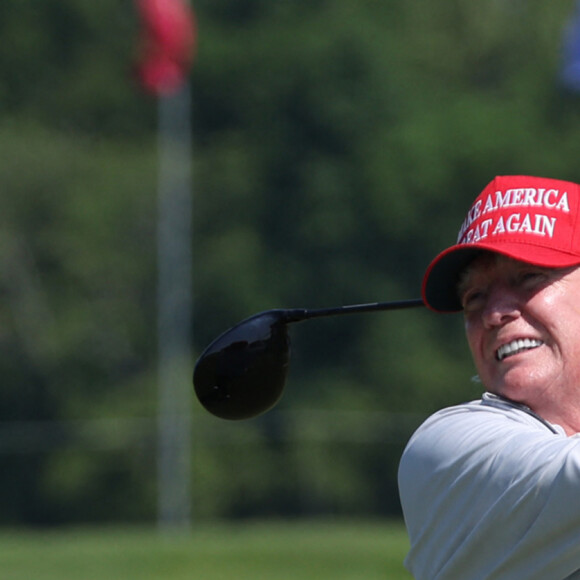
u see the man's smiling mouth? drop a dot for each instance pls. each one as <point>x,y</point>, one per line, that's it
<point>516,346</point>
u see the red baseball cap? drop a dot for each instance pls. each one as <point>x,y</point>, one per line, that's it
<point>531,219</point>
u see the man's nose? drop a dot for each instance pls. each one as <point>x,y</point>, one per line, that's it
<point>502,305</point>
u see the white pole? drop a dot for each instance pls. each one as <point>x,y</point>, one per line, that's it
<point>175,305</point>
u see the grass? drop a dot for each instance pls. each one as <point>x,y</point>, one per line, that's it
<point>250,551</point>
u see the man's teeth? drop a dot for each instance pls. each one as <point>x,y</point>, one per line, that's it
<point>516,346</point>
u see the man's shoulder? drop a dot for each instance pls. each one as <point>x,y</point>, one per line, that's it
<point>476,430</point>
<point>491,411</point>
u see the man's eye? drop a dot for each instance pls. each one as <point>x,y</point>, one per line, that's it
<point>472,300</point>
<point>532,278</point>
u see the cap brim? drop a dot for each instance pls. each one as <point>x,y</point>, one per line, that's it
<point>442,276</point>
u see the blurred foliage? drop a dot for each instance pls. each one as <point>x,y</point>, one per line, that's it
<point>337,146</point>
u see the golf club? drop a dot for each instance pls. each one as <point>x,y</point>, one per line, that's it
<point>242,373</point>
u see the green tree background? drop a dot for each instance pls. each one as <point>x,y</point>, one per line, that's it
<point>337,146</point>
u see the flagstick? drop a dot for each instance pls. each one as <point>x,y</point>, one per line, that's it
<point>174,310</point>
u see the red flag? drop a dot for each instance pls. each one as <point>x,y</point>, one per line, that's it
<point>167,44</point>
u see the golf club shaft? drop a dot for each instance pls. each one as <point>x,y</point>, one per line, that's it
<point>298,314</point>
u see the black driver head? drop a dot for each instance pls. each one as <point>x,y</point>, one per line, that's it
<point>242,373</point>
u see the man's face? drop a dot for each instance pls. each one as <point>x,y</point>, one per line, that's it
<point>523,328</point>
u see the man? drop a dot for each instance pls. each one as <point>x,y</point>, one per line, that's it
<point>490,489</point>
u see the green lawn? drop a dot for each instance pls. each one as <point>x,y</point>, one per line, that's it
<point>250,551</point>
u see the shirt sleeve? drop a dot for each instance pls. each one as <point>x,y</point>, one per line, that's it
<point>491,493</point>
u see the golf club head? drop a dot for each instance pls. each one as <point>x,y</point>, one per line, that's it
<point>242,373</point>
